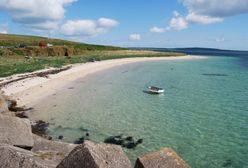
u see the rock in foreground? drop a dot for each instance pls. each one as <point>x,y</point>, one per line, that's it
<point>92,155</point>
<point>51,151</point>
<point>164,158</point>
<point>13,157</point>
<point>16,131</point>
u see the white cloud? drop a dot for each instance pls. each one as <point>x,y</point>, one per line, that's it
<point>158,29</point>
<point>217,8</point>
<point>204,12</point>
<point>106,22</point>
<point>176,13</point>
<point>202,19</point>
<point>178,23</point>
<point>3,32</point>
<point>87,27</point>
<point>135,37</point>
<point>41,14</point>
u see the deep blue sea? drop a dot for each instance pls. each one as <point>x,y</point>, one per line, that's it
<point>203,114</point>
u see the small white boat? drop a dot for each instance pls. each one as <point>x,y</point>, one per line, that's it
<point>156,90</point>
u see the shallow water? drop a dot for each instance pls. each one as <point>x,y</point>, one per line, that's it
<point>203,114</point>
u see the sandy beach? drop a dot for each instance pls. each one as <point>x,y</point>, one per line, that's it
<point>31,90</point>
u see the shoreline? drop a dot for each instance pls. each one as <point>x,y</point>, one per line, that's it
<point>31,90</point>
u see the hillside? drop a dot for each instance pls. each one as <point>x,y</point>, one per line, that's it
<point>13,40</point>
<point>31,58</point>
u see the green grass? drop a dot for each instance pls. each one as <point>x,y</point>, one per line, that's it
<point>13,40</point>
<point>12,60</point>
<point>18,64</point>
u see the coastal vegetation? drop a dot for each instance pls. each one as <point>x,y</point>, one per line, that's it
<point>31,58</point>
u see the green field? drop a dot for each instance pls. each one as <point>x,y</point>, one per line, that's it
<point>13,40</point>
<point>17,63</point>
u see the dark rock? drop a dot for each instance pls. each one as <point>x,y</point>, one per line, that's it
<point>79,141</point>
<point>15,109</point>
<point>13,157</point>
<point>21,114</point>
<point>164,158</point>
<point>16,131</point>
<point>92,155</point>
<point>61,137</point>
<point>127,142</point>
<point>140,141</point>
<point>129,138</point>
<point>40,127</point>
<point>11,103</point>
<point>129,145</point>
<point>117,140</point>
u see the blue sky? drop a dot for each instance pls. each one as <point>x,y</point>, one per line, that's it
<point>136,23</point>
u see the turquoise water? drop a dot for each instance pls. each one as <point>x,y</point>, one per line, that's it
<point>204,118</point>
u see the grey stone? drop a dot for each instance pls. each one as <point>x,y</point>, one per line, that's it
<point>3,104</point>
<point>13,157</point>
<point>92,155</point>
<point>164,158</point>
<point>51,151</point>
<point>16,131</point>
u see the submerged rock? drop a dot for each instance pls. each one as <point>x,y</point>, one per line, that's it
<point>39,127</point>
<point>80,140</point>
<point>117,140</point>
<point>93,155</point>
<point>16,131</point>
<point>127,142</point>
<point>61,137</point>
<point>164,158</point>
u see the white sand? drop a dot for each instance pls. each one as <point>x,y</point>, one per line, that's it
<point>31,90</point>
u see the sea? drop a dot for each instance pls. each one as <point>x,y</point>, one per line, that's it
<point>203,114</point>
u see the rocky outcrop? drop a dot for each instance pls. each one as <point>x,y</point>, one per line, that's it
<point>92,155</point>
<point>3,104</point>
<point>13,157</point>
<point>51,151</point>
<point>164,158</point>
<point>16,131</point>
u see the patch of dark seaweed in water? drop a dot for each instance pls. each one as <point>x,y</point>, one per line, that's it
<point>206,74</point>
<point>126,142</point>
<point>227,163</point>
